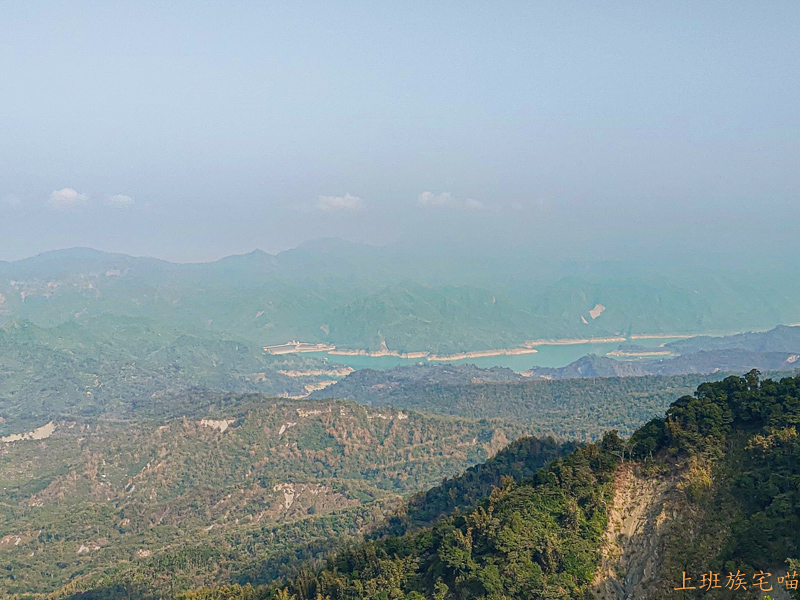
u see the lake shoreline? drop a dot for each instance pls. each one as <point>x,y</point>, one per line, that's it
<point>548,353</point>
<point>529,347</point>
<point>426,355</point>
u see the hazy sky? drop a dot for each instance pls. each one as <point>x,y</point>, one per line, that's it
<point>193,130</point>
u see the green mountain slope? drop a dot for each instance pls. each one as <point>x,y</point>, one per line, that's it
<point>518,461</point>
<point>718,485</point>
<point>241,487</point>
<point>711,488</point>
<point>537,538</point>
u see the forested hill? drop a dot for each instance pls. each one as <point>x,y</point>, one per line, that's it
<point>711,487</point>
<point>520,460</point>
<point>581,409</point>
<point>242,487</point>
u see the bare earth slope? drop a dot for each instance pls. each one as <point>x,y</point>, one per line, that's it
<point>639,523</point>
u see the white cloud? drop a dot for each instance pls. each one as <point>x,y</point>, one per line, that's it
<point>11,200</point>
<point>446,200</point>
<point>431,199</point>
<point>470,204</point>
<point>67,198</point>
<point>120,201</point>
<point>346,202</point>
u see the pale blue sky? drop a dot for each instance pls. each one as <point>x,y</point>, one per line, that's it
<point>191,130</point>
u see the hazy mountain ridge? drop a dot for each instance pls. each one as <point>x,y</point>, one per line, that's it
<point>703,362</point>
<point>775,350</point>
<point>111,365</point>
<point>312,293</point>
<point>783,338</point>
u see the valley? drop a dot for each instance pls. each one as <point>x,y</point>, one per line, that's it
<point>155,446</point>
<point>399,301</point>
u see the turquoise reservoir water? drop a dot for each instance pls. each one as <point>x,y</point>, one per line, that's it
<point>547,356</point>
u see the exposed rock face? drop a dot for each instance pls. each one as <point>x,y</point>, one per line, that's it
<point>652,520</point>
<point>220,425</point>
<point>639,525</point>
<point>596,311</point>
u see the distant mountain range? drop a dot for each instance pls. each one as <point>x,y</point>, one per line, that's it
<point>368,298</point>
<point>705,361</point>
<point>774,350</point>
<point>780,339</point>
